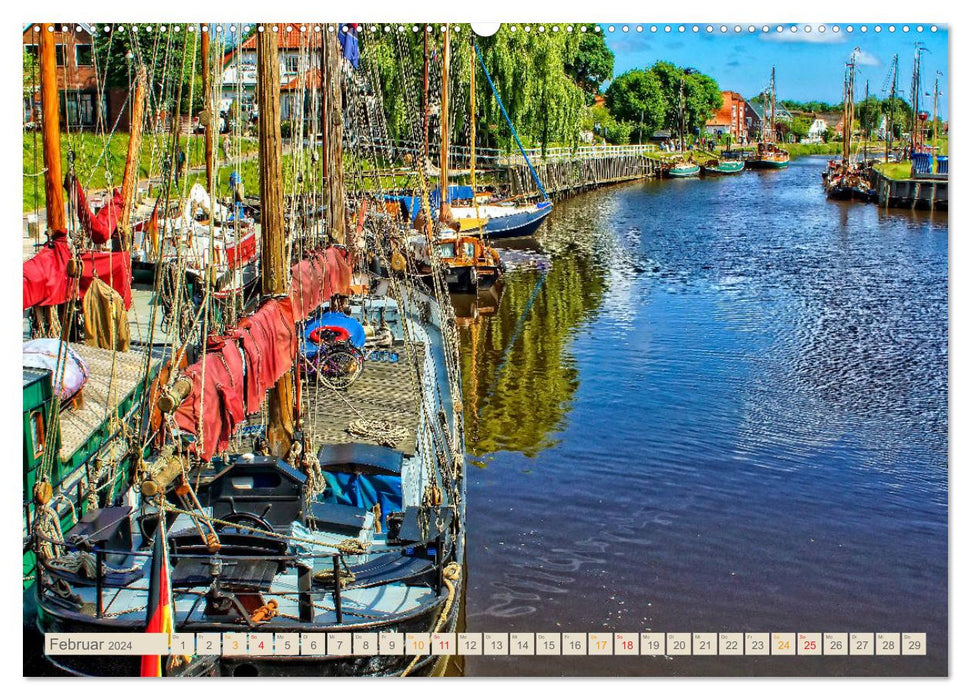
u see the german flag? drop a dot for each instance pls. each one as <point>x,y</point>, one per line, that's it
<point>159,616</point>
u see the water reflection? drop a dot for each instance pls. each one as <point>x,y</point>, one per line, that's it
<point>717,405</point>
<point>518,377</point>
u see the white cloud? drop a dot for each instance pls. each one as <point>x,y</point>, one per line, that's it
<point>864,58</point>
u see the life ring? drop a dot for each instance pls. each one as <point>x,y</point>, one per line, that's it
<point>340,334</point>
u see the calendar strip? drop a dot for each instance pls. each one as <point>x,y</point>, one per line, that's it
<point>670,644</point>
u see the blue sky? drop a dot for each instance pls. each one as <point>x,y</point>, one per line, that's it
<point>809,65</point>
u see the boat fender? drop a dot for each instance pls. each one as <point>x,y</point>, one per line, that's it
<point>43,492</point>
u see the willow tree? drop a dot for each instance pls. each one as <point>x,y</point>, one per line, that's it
<point>532,72</point>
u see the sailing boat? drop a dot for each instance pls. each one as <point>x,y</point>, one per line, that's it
<point>205,236</point>
<point>683,166</point>
<point>768,155</point>
<point>470,264</point>
<point>497,218</point>
<point>846,179</point>
<point>342,516</point>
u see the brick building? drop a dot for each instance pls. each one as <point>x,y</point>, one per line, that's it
<point>730,119</point>
<point>76,82</point>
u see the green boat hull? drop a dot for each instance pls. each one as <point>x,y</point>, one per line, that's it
<point>726,168</point>
<point>688,171</point>
<point>768,164</point>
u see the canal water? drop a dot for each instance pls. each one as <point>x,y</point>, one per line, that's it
<point>712,405</point>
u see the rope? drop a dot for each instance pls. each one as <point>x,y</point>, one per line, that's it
<point>381,431</point>
<point>348,546</point>
<point>450,574</point>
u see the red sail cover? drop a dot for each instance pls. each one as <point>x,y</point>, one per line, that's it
<point>46,280</point>
<point>317,278</point>
<point>217,397</point>
<point>265,343</point>
<point>100,226</point>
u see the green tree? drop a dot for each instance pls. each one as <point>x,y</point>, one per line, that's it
<point>869,112</point>
<point>592,64</point>
<point>529,71</point>
<point>800,127</point>
<point>31,80</point>
<point>636,97</point>
<point>899,115</point>
<point>684,88</point>
<point>170,57</point>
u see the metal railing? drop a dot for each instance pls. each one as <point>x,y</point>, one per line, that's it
<point>306,590</point>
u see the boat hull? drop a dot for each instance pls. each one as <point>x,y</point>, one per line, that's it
<point>768,164</point>
<point>725,169</point>
<point>468,280</point>
<point>684,172</point>
<point>280,666</point>
<point>517,225</point>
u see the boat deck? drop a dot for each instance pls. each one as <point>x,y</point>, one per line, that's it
<point>385,391</point>
<point>113,376</point>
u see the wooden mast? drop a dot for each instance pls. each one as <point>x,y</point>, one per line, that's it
<point>765,116</point>
<point>443,178</point>
<point>915,100</point>
<point>443,119</point>
<point>424,139</point>
<point>475,201</point>
<point>53,180</point>
<point>273,258</point>
<point>847,112</point>
<point>893,94</point>
<point>207,108</point>
<point>324,119</point>
<point>772,122</point>
<point>334,140</point>
<point>130,181</point>
<point>866,131</point>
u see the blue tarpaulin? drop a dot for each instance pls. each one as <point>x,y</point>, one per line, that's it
<point>413,204</point>
<point>364,491</point>
<point>331,318</point>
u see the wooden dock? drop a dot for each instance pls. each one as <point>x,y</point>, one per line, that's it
<point>563,170</point>
<point>928,192</point>
<point>567,176</point>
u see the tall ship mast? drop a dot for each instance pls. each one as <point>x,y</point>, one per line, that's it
<point>768,156</point>
<point>845,179</point>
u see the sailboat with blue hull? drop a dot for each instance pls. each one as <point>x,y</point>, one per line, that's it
<point>501,219</point>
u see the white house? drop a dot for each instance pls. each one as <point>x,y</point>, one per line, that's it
<point>816,131</point>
